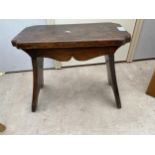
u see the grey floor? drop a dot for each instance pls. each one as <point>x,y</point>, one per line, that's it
<point>79,101</point>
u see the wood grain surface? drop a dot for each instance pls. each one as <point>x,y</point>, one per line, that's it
<point>71,36</point>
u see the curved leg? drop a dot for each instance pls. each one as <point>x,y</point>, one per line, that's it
<point>37,64</point>
<point>112,78</point>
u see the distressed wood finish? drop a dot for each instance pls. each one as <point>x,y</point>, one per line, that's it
<point>71,36</point>
<point>62,42</point>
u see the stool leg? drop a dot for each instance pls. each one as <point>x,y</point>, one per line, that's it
<point>41,71</point>
<point>37,64</point>
<point>112,78</point>
<point>108,69</point>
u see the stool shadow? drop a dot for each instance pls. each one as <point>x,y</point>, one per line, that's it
<point>92,89</point>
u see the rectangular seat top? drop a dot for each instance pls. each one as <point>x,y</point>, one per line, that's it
<point>71,36</point>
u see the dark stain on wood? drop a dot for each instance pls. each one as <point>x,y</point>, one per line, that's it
<point>62,42</point>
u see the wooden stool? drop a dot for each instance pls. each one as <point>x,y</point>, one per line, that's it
<point>62,42</point>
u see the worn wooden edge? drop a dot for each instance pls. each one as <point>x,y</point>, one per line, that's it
<point>79,44</point>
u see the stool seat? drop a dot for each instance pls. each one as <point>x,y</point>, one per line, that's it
<point>71,36</point>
